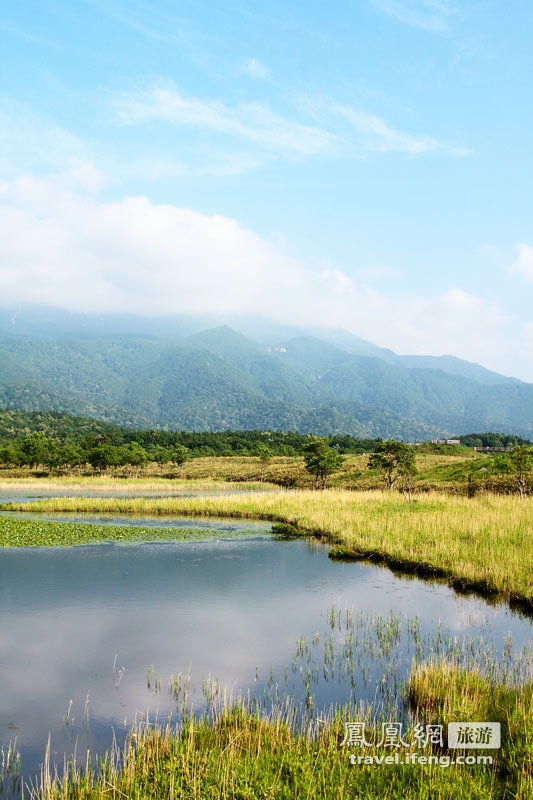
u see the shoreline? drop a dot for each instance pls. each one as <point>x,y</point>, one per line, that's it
<point>475,545</point>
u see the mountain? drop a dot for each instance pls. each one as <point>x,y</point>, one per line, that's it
<point>43,323</point>
<point>220,379</point>
<point>449,364</point>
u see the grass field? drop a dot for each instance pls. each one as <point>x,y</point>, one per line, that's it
<point>482,543</point>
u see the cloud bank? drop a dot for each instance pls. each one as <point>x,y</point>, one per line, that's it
<point>64,247</point>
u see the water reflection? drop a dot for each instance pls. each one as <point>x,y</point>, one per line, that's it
<point>88,621</point>
<point>28,494</point>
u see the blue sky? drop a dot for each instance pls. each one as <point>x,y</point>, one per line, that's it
<point>365,164</point>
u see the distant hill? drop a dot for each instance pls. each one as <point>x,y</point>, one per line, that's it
<point>220,379</point>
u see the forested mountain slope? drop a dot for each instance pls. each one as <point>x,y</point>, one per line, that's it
<point>220,379</point>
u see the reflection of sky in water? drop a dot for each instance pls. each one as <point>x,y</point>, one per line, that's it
<point>212,607</point>
<point>27,495</point>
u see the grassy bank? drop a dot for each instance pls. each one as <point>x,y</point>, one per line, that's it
<point>240,755</point>
<point>483,544</point>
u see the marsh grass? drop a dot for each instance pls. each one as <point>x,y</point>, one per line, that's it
<point>238,752</point>
<point>445,692</point>
<point>10,779</point>
<point>482,544</point>
<point>371,655</point>
<point>271,746</point>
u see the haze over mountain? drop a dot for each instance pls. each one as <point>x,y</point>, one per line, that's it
<point>167,372</point>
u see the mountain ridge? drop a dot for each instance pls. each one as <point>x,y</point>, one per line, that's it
<point>219,379</point>
<point>40,322</point>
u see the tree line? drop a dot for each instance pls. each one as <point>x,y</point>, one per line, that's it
<point>54,439</point>
<point>65,442</point>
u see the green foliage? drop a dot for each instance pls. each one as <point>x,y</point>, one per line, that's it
<point>520,464</point>
<point>64,443</point>
<point>394,460</point>
<point>58,440</point>
<point>34,449</point>
<point>264,453</point>
<point>321,460</point>
<point>179,454</point>
<point>492,440</point>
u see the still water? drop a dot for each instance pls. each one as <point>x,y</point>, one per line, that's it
<point>28,495</point>
<point>80,628</point>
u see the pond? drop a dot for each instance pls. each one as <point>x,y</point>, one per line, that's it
<point>27,495</point>
<point>93,636</point>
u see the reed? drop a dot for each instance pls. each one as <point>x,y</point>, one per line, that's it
<point>236,752</point>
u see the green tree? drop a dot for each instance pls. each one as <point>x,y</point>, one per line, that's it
<point>34,449</point>
<point>179,455</point>
<point>53,456</point>
<point>161,455</point>
<point>104,456</point>
<point>394,460</point>
<point>520,464</point>
<point>136,456</point>
<point>9,456</point>
<point>321,460</point>
<point>71,455</point>
<point>264,453</point>
<point>408,471</point>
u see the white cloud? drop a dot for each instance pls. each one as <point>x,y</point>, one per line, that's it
<point>63,247</point>
<point>30,141</point>
<point>524,263</point>
<point>380,137</point>
<point>252,122</point>
<point>374,272</point>
<point>255,69</point>
<point>324,127</point>
<point>233,140</point>
<point>430,15</point>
